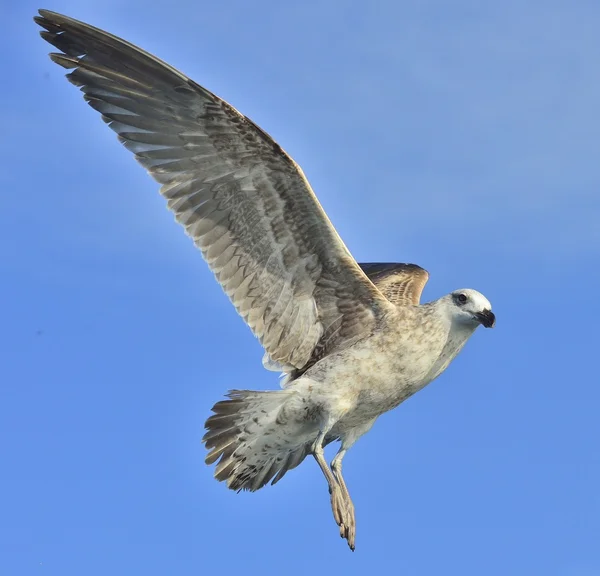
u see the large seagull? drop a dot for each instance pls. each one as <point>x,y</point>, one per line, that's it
<point>352,340</point>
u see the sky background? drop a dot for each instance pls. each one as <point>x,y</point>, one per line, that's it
<point>461,136</point>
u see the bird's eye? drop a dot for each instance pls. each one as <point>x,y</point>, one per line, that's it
<point>462,298</point>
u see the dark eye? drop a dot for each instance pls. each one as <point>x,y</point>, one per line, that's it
<point>462,298</point>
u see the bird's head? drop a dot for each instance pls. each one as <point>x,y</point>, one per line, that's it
<point>471,308</point>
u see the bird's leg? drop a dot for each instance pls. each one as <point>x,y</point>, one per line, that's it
<point>338,499</point>
<point>350,524</point>
<point>348,440</point>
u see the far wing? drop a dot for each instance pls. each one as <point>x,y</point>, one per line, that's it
<point>401,284</point>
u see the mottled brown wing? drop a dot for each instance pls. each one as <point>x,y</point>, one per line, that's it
<point>401,284</point>
<point>241,198</point>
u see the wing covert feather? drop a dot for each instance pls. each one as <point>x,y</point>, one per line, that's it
<point>401,284</point>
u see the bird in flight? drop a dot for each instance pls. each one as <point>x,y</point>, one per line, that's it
<point>351,340</point>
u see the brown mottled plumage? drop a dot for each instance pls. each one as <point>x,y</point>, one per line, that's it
<point>401,284</point>
<point>352,340</point>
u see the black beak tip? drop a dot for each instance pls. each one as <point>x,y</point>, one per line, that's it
<point>487,318</point>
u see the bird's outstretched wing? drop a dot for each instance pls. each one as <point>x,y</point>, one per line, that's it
<point>401,284</point>
<point>241,198</point>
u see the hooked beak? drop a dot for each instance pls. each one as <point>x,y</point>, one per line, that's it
<point>486,318</point>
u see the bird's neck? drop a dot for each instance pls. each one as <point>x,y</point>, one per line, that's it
<point>457,333</point>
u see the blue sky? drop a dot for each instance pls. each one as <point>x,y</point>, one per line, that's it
<point>464,138</point>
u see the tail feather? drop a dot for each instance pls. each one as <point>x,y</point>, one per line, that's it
<point>293,459</point>
<point>253,439</point>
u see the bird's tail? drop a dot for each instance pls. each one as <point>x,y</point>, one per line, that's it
<point>254,437</point>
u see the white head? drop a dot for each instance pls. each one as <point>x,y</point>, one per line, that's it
<point>470,308</point>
